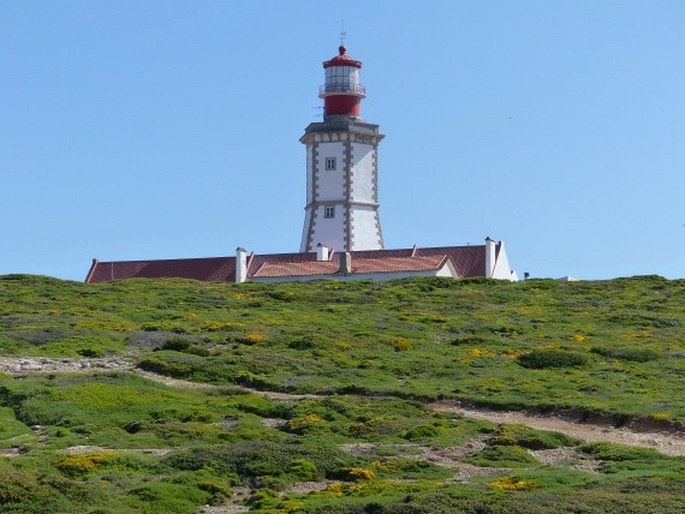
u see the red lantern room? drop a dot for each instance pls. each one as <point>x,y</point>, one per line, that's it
<point>342,93</point>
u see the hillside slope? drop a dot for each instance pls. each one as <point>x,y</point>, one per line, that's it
<point>369,355</point>
<point>602,347</point>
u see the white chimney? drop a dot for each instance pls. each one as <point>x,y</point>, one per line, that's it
<point>489,257</point>
<point>240,265</point>
<point>345,263</point>
<point>321,252</point>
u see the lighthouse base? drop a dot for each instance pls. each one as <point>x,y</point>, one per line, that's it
<point>342,185</point>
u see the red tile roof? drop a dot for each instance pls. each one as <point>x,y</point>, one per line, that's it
<point>360,265</point>
<point>220,269</point>
<point>468,261</point>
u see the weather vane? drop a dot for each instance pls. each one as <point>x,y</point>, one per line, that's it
<point>342,32</point>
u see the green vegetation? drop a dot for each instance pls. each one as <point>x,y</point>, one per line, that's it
<point>372,353</point>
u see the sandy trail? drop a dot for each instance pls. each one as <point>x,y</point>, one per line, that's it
<point>665,442</point>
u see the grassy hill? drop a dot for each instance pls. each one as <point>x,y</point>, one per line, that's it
<point>372,354</point>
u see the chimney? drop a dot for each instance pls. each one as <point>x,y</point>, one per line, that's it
<point>345,263</point>
<point>240,265</point>
<point>489,257</point>
<point>321,252</point>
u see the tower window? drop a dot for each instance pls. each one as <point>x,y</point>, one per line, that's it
<point>330,164</point>
<point>329,211</point>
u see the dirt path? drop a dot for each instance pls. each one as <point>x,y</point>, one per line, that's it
<point>174,382</point>
<point>665,442</point>
<point>18,366</point>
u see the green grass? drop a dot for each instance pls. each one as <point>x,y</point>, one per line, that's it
<point>375,352</point>
<point>215,440</point>
<point>613,347</point>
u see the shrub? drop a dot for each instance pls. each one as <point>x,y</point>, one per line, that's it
<point>90,353</point>
<point>263,498</point>
<point>303,469</point>
<point>301,343</point>
<point>540,359</point>
<point>503,456</point>
<point>220,492</point>
<point>612,452</point>
<point>468,340</point>
<point>403,345</point>
<point>376,427</point>
<point>421,432</point>
<point>163,326</point>
<point>283,296</point>
<point>133,427</point>
<point>302,424</point>
<point>251,338</point>
<point>510,435</point>
<point>512,484</point>
<point>163,498</point>
<point>627,354</point>
<point>335,488</point>
<point>258,459</point>
<point>176,344</point>
<point>161,367</point>
<point>357,473</point>
<point>81,463</point>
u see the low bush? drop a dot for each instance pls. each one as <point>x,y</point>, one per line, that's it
<point>178,344</point>
<point>627,354</point>
<point>503,457</point>
<point>250,459</point>
<point>305,470</point>
<point>421,432</point>
<point>526,437</point>
<point>82,463</point>
<point>90,353</point>
<point>166,498</point>
<point>540,359</point>
<point>356,473</point>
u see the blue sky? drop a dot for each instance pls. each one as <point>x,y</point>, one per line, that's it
<point>163,129</point>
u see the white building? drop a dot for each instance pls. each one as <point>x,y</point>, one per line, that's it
<point>342,166</point>
<point>342,237</point>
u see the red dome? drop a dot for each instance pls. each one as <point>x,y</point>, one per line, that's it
<point>342,60</point>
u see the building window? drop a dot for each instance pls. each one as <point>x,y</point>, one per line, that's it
<point>330,163</point>
<point>329,212</point>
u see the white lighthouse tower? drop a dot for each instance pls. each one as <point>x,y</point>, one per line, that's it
<point>342,166</point>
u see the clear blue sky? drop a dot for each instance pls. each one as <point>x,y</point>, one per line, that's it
<point>137,129</point>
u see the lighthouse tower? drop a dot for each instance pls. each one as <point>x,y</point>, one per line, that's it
<point>342,166</point>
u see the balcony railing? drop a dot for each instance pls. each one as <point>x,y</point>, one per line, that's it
<point>356,89</point>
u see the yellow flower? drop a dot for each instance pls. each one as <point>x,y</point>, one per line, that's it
<point>477,352</point>
<point>359,473</point>
<point>336,489</point>
<point>512,484</point>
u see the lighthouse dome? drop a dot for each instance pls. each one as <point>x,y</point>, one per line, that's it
<point>342,59</point>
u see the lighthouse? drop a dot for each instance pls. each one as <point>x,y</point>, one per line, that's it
<point>341,210</point>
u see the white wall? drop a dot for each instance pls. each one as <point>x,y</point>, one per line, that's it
<point>364,227</point>
<point>329,231</point>
<point>362,172</point>
<point>310,171</point>
<point>305,230</point>
<point>502,269</point>
<point>331,183</point>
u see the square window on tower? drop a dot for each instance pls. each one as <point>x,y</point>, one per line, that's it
<point>329,212</point>
<point>330,164</point>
